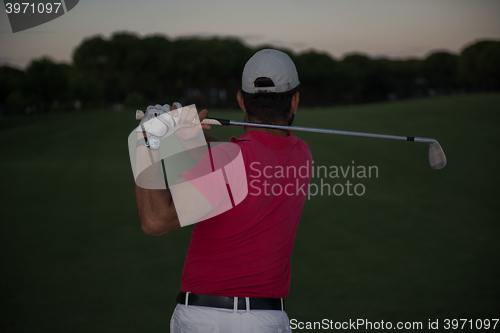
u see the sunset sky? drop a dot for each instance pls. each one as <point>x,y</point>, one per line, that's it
<point>393,28</point>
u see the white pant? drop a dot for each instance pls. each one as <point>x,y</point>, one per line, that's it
<point>205,319</point>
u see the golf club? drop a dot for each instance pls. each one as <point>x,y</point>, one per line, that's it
<point>437,159</point>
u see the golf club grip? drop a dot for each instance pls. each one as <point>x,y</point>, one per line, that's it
<point>216,121</point>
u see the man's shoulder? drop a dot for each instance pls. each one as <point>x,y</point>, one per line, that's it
<point>302,143</point>
<point>304,147</point>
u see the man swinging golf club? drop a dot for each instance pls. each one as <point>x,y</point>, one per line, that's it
<point>237,269</point>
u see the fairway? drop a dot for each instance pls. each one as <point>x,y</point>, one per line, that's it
<point>419,244</point>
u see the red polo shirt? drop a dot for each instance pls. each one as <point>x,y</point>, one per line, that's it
<point>245,251</point>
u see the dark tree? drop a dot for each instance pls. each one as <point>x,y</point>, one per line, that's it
<point>46,83</point>
<point>12,99</point>
<point>479,66</point>
<point>373,78</point>
<point>441,69</point>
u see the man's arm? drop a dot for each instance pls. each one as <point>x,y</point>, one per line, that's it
<point>210,138</point>
<point>156,209</point>
<point>154,203</point>
<point>158,214</point>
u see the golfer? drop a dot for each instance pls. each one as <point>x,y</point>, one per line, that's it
<point>237,270</point>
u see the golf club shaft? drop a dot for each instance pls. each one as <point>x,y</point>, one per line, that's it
<point>225,122</point>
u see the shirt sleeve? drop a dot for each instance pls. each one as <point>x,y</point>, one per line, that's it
<point>220,177</point>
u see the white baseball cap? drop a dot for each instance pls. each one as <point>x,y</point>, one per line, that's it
<point>272,64</point>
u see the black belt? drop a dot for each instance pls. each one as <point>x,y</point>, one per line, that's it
<point>228,302</point>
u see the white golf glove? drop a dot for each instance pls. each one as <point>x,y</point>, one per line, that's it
<point>159,120</point>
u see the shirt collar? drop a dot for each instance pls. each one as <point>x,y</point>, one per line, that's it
<point>268,140</point>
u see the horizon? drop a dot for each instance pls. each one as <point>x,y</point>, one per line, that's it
<point>338,58</point>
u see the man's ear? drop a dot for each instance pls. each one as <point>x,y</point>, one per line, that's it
<point>239,97</point>
<point>295,103</point>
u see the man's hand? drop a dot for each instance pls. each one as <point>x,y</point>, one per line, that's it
<point>159,120</point>
<point>189,123</point>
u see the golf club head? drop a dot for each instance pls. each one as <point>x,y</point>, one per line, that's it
<point>437,159</point>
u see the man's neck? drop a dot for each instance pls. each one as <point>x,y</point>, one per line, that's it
<point>272,131</point>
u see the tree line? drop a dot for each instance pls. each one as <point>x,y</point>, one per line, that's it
<point>134,71</point>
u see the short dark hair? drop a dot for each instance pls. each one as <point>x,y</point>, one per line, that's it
<point>268,107</point>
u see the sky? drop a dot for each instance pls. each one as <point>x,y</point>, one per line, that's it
<point>391,28</point>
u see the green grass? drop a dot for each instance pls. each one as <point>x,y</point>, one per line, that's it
<point>420,244</point>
